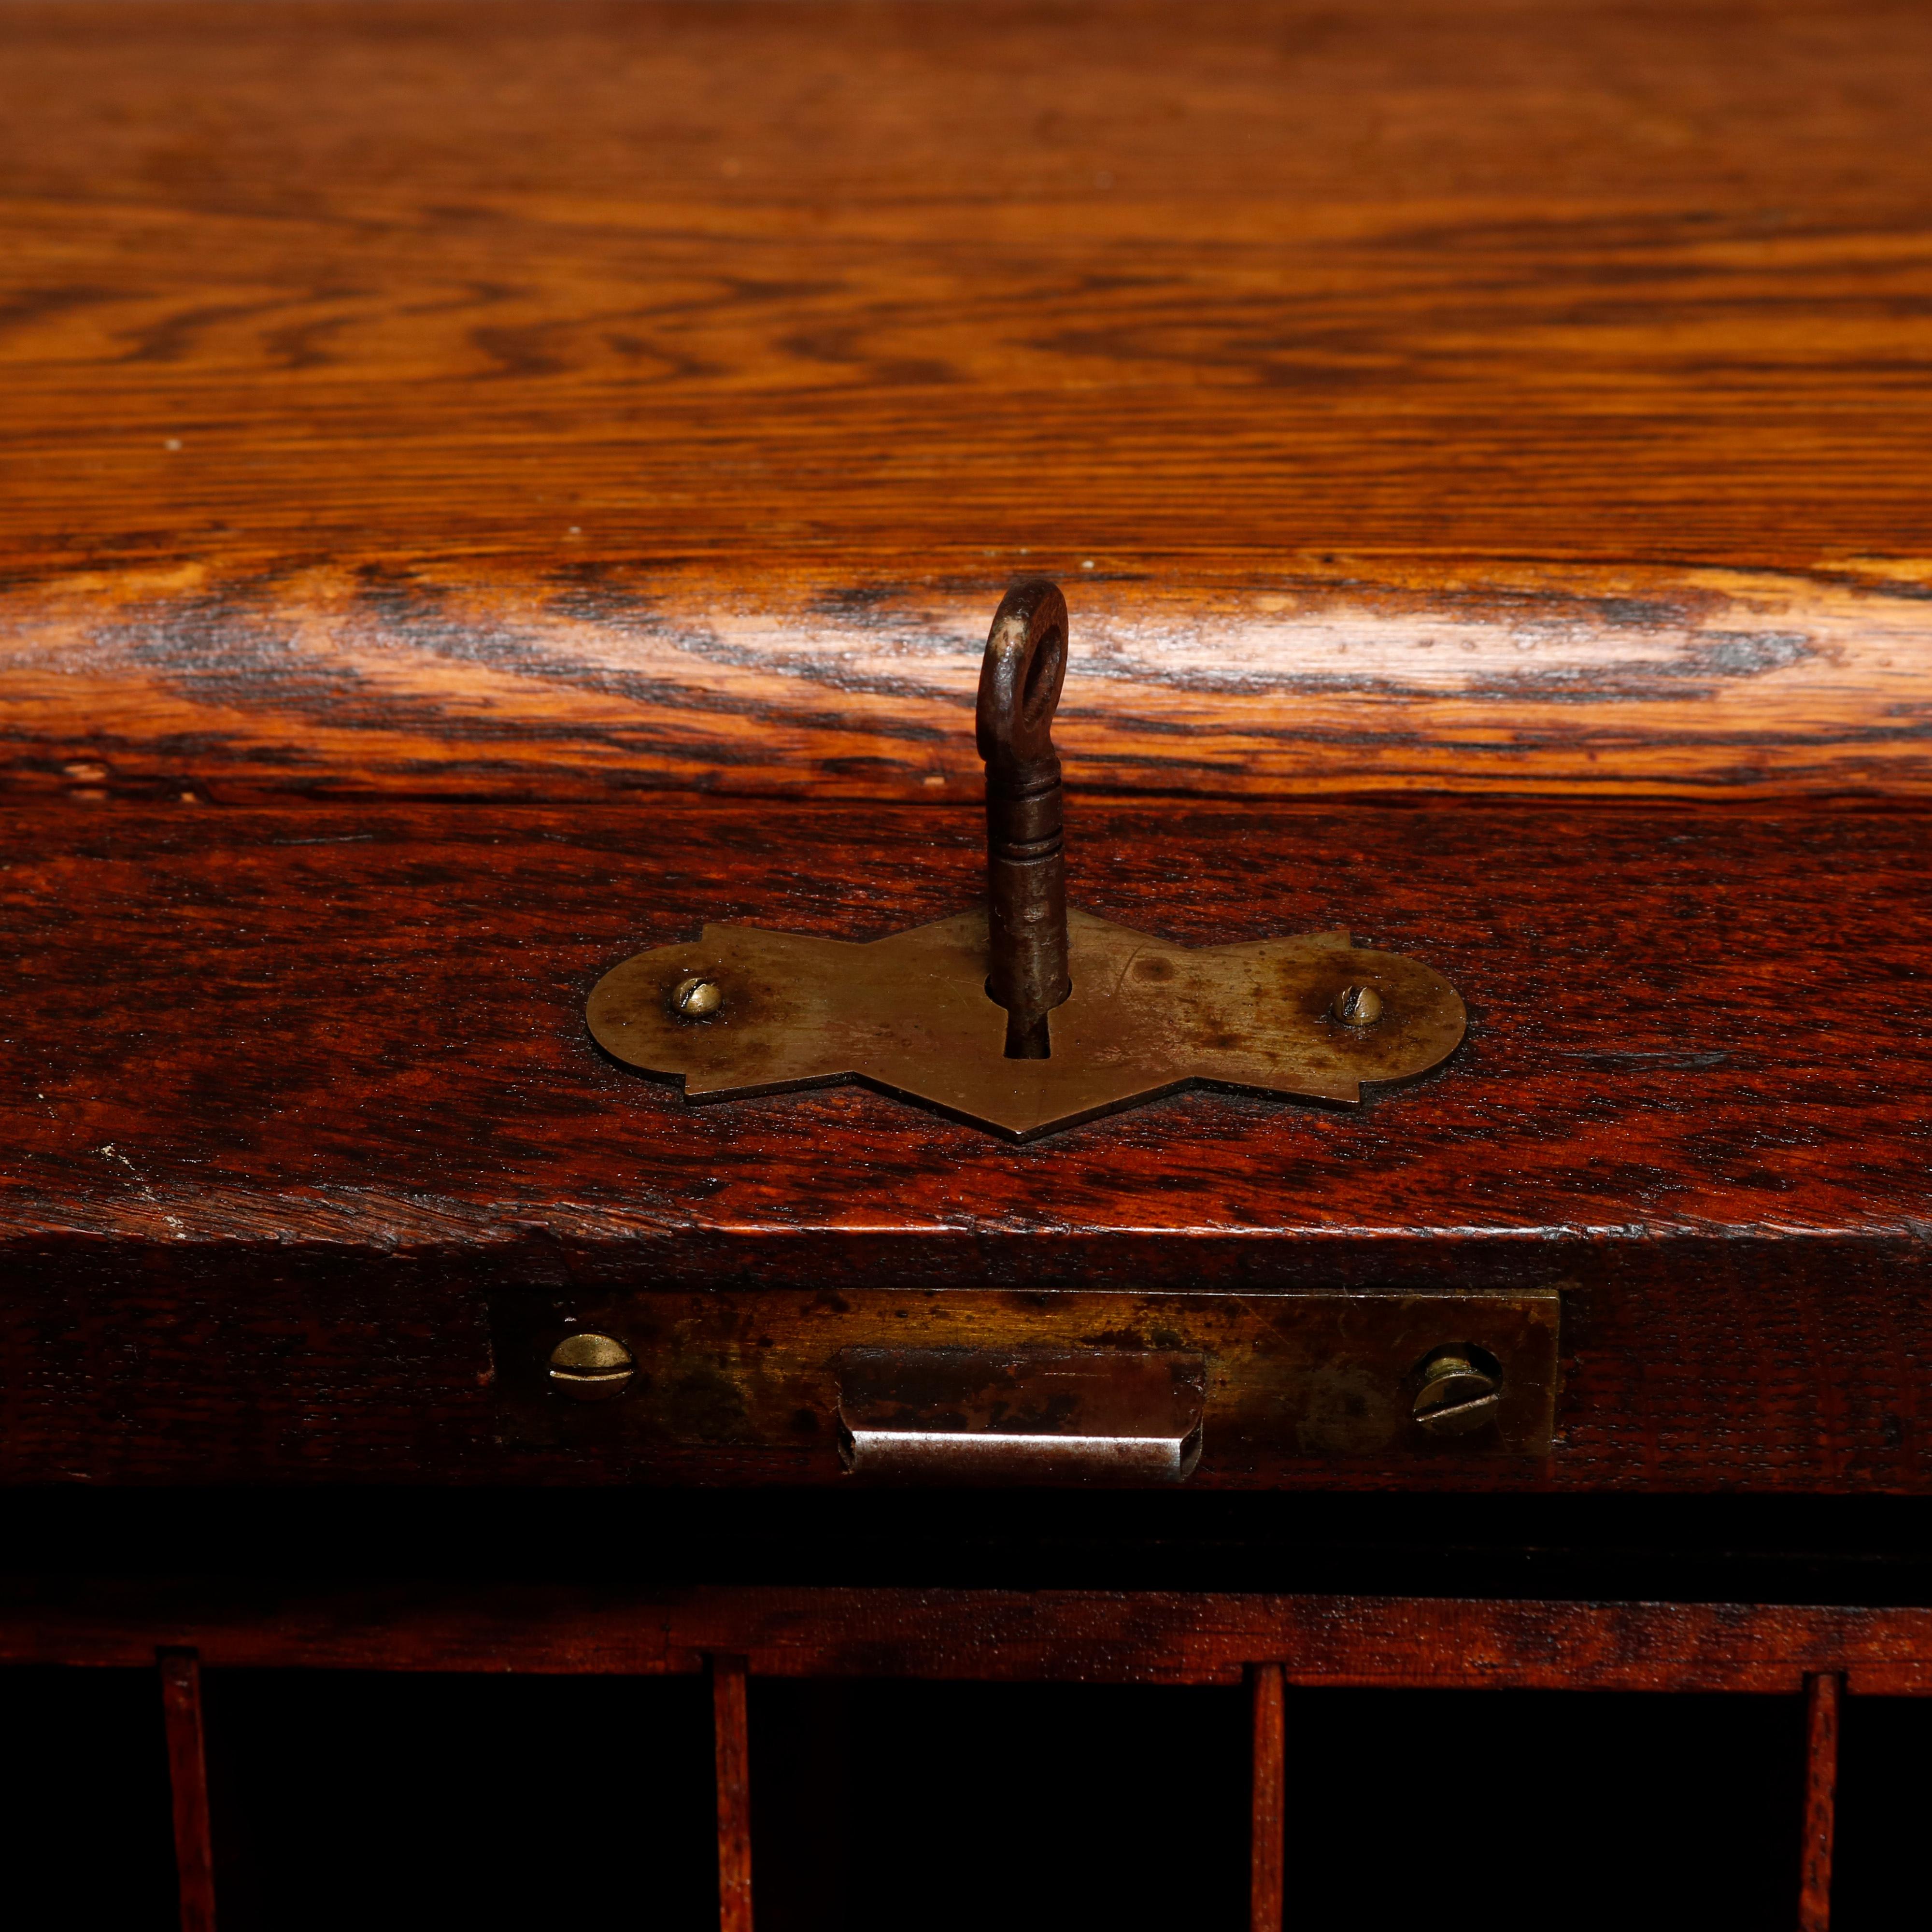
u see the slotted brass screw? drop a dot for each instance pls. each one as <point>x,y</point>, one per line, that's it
<point>697,998</point>
<point>588,1367</point>
<point>1456,1397</point>
<point>1357,1006</point>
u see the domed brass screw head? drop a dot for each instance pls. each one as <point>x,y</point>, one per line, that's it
<point>1357,1006</point>
<point>697,998</point>
<point>588,1367</point>
<point>1456,1397</point>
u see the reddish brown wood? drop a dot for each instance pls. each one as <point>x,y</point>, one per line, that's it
<point>1122,1637</point>
<point>1601,281</point>
<point>188,1775</point>
<point>1495,396</point>
<point>1823,1693</point>
<point>852,675</point>
<point>731,1722</point>
<point>1268,1852</point>
<point>288,1096</point>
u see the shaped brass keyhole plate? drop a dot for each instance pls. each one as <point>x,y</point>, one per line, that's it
<point>1040,1017</point>
<point>910,1015</point>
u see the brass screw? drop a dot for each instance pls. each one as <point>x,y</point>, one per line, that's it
<point>588,1367</point>
<point>1357,1006</point>
<point>697,998</point>
<point>1456,1397</point>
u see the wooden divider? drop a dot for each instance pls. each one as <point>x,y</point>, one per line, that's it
<point>1272,1643</point>
<point>731,1736</point>
<point>187,1778</point>
<point>1268,1852</point>
<point>1822,1693</point>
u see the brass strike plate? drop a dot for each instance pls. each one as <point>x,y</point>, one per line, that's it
<point>758,1386</point>
<point>1022,1016</point>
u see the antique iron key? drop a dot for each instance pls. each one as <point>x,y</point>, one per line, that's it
<point>1022,1014</point>
<point>1020,679</point>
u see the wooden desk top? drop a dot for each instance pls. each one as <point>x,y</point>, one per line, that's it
<point>362,1028</point>
<point>547,401</point>
<point>430,426</point>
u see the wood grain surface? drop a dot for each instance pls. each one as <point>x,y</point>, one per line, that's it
<point>287,1092</point>
<point>548,401</point>
<point>1144,1636</point>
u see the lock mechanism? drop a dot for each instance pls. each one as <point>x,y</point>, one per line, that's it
<point>1020,1015</point>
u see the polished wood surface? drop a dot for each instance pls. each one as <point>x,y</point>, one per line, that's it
<point>551,400</point>
<point>303,1087</point>
<point>251,1026</point>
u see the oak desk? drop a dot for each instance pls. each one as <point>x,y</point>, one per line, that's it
<point>488,488</point>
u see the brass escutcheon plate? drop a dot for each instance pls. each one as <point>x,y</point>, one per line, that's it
<point>758,1385</point>
<point>910,1015</point>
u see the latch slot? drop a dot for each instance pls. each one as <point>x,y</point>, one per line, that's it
<point>961,1415</point>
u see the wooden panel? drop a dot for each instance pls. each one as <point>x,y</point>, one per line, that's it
<point>293,1026</point>
<point>287,1094</point>
<point>552,400</point>
<point>1127,1637</point>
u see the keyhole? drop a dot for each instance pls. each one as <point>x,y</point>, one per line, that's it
<point>1028,1042</point>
